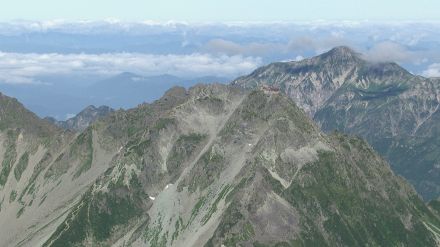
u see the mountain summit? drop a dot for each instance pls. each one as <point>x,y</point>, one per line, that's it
<point>341,54</point>
<point>394,110</point>
<point>311,82</point>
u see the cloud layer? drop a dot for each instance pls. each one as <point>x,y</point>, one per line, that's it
<point>297,45</point>
<point>23,68</point>
<point>432,71</point>
<point>38,48</point>
<point>393,52</point>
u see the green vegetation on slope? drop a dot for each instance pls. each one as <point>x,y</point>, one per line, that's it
<point>357,215</point>
<point>21,165</point>
<point>94,219</point>
<point>10,156</point>
<point>83,147</point>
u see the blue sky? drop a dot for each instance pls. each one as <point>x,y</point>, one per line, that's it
<point>224,10</point>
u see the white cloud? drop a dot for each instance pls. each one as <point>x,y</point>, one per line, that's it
<point>296,59</point>
<point>70,115</point>
<point>115,25</point>
<point>299,58</point>
<point>317,44</point>
<point>85,26</point>
<point>251,49</point>
<point>26,67</point>
<point>432,71</point>
<point>296,45</point>
<point>390,52</point>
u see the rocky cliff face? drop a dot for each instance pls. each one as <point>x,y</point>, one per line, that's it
<point>210,166</point>
<point>310,82</point>
<point>393,109</point>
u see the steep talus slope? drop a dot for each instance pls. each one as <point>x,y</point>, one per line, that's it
<point>393,110</point>
<point>44,170</point>
<point>219,166</point>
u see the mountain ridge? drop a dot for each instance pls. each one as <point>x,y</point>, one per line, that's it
<point>211,165</point>
<point>217,165</point>
<point>256,165</point>
<point>83,119</point>
<point>379,101</point>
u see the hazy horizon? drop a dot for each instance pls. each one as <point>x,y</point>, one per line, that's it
<point>228,10</point>
<point>59,58</point>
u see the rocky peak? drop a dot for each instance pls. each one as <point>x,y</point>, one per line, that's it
<point>13,115</point>
<point>341,54</point>
<point>92,110</point>
<point>311,82</point>
<point>83,119</point>
<point>342,51</point>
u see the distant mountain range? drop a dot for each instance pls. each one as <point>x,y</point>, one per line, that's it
<point>214,165</point>
<point>64,96</point>
<point>395,111</point>
<point>127,90</point>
